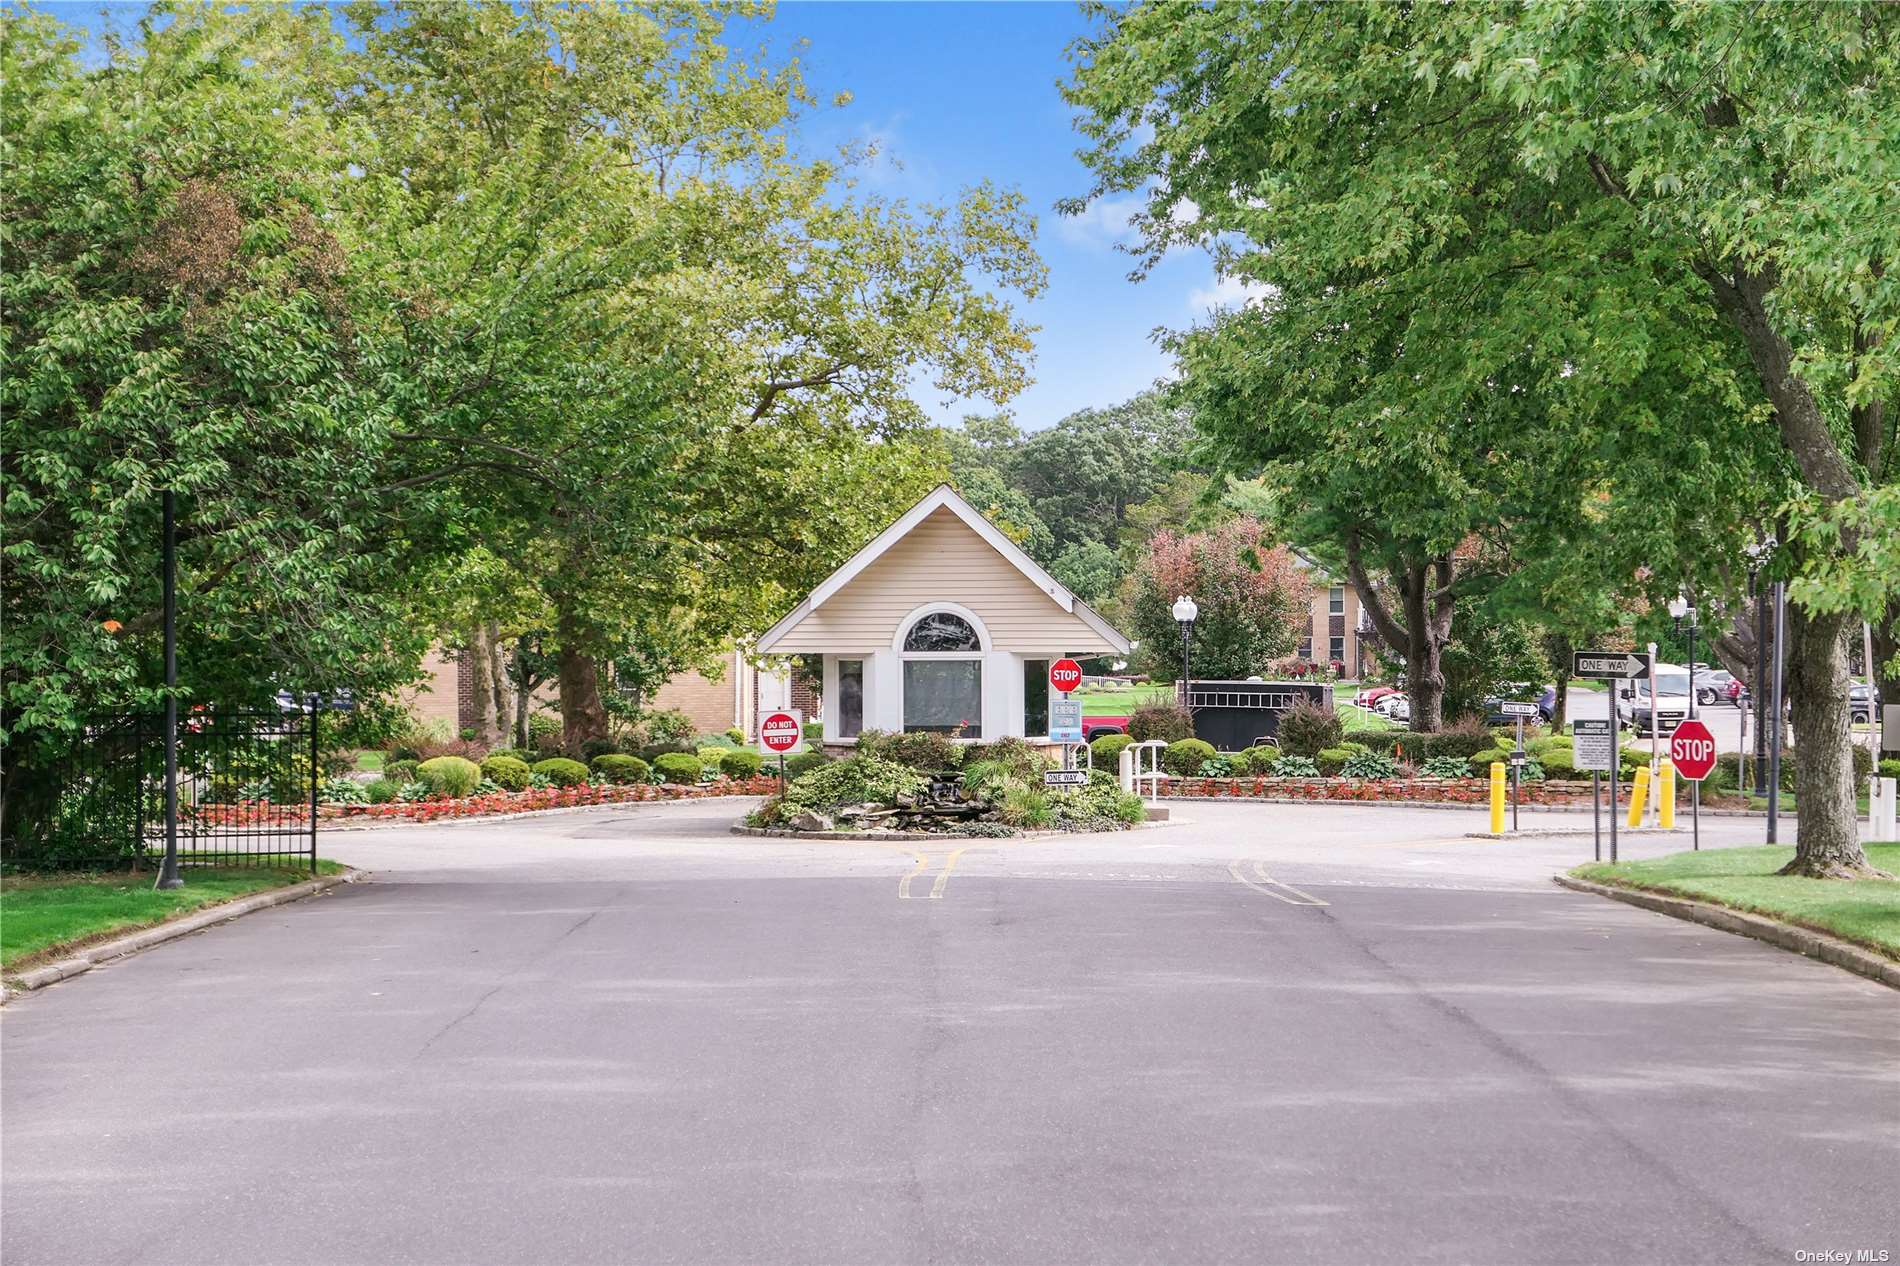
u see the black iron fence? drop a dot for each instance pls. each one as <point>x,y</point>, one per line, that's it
<point>247,794</point>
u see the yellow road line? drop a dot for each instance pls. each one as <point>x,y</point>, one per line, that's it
<point>1272,887</point>
<point>950,864</point>
<point>903,885</point>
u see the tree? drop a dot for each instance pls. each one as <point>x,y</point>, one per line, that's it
<point>1254,601</point>
<point>184,309</point>
<point>1091,571</point>
<point>644,337</point>
<point>1085,472</point>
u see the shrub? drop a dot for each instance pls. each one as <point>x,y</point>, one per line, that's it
<point>514,753</point>
<point>338,764</point>
<point>616,768</point>
<point>1355,748</point>
<point>1465,737</point>
<point>1374,765</point>
<point>1331,760</point>
<point>723,741</point>
<point>1184,757</point>
<point>598,747</point>
<point>741,763</point>
<point>712,759</point>
<point>668,725</point>
<point>803,763</point>
<point>559,771</point>
<point>1294,767</point>
<point>1257,761</point>
<point>814,732</point>
<point>1534,771</point>
<point>1863,765</point>
<point>543,731</point>
<point>929,752</point>
<point>1384,740</point>
<point>736,734</point>
<point>1550,743</point>
<point>510,773</point>
<point>651,752</point>
<point>1106,749</point>
<point>679,767</point>
<point>1217,766</point>
<point>1480,763</point>
<point>859,779</point>
<point>400,771</point>
<point>1890,768</point>
<point>403,752</point>
<point>1023,759</point>
<point>1100,806</point>
<point>1026,807</point>
<point>1168,722</point>
<point>452,776</point>
<point>1306,729</point>
<point>1445,767</point>
<point>1559,763</point>
<point>382,791</point>
<point>341,791</point>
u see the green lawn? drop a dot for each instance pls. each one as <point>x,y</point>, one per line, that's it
<point>1119,701</point>
<point>1358,720</point>
<point>369,759</point>
<point>40,914</point>
<point>1866,911</point>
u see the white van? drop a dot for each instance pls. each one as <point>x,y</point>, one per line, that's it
<point>1661,710</point>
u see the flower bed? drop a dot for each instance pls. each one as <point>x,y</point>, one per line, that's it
<point>261,813</point>
<point>1412,790</point>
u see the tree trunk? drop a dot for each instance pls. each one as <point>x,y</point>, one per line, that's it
<point>1424,678</point>
<point>478,660</point>
<point>497,679</point>
<point>583,716</point>
<point>1886,632</point>
<point>1827,837</point>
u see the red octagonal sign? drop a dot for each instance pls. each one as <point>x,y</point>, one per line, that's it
<point>1692,750</point>
<point>1065,675</point>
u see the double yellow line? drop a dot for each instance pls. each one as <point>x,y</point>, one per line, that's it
<point>924,864</point>
<point>1262,882</point>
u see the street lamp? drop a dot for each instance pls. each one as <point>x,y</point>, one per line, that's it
<point>1185,610</point>
<point>1758,554</point>
<point>1682,613</point>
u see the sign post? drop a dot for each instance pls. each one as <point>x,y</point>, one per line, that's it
<point>1614,667</point>
<point>1517,712</point>
<point>1065,721</point>
<point>1692,752</point>
<point>1596,752</point>
<point>780,734</point>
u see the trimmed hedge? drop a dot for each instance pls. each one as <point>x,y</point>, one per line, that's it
<point>741,763</point>
<point>452,776</point>
<point>382,791</point>
<point>713,758</point>
<point>1332,760</point>
<point>803,763</point>
<point>401,771</point>
<point>1257,761</point>
<point>679,767</point>
<point>1107,749</point>
<point>508,773</point>
<point>616,768</point>
<point>1184,757</point>
<point>561,771</point>
<point>1169,722</point>
<point>1306,729</point>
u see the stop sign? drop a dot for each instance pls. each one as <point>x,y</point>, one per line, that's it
<point>1692,750</point>
<point>1065,675</point>
<point>780,732</point>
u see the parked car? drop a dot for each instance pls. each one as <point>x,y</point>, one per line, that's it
<point>1516,691</point>
<point>1659,710</point>
<point>1396,706</point>
<point>1547,704</point>
<point>1092,727</point>
<point>1371,695</point>
<point>1860,702</point>
<point>1716,685</point>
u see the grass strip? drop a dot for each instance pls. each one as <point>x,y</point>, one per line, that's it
<point>43,917</point>
<point>1864,911</point>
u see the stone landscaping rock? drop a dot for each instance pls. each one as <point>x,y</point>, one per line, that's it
<point>811,820</point>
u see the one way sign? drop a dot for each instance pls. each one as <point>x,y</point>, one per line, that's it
<point>1609,665</point>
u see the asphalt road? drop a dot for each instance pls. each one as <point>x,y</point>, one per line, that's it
<point>1277,1033</point>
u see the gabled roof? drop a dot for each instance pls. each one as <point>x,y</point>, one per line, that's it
<point>944,497</point>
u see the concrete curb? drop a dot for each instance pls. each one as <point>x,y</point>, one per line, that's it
<point>1571,832</point>
<point>1478,806</point>
<point>329,825</point>
<point>774,833</point>
<point>135,942</point>
<point>1800,940</point>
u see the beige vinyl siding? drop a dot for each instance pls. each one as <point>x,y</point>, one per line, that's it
<point>941,560</point>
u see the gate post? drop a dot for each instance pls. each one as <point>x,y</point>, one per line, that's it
<point>316,718</point>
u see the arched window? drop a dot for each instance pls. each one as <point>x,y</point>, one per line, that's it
<point>942,631</point>
<point>943,675</point>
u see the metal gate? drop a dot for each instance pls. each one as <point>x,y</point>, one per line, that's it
<point>248,783</point>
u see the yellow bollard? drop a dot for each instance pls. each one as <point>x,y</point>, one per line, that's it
<point>1639,795</point>
<point>1666,796</point>
<point>1497,797</point>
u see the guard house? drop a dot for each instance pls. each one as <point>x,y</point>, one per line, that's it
<point>942,624</point>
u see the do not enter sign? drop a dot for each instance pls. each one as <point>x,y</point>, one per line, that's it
<point>1692,750</point>
<point>780,733</point>
<point>1065,675</point>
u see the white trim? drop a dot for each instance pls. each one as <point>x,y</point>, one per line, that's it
<point>975,621</point>
<point>944,497</point>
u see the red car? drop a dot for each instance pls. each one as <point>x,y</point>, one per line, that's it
<point>1372,695</point>
<point>1093,726</point>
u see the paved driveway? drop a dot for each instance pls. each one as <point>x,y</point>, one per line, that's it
<point>1276,1033</point>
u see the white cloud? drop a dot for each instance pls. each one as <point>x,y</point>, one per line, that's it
<point>1226,293</point>
<point>1104,223</point>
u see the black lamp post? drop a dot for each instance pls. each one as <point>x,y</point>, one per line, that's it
<point>1757,554</point>
<point>168,876</point>
<point>1185,611</point>
<point>1685,618</point>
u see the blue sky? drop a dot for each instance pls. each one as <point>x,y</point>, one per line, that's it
<point>954,93</point>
